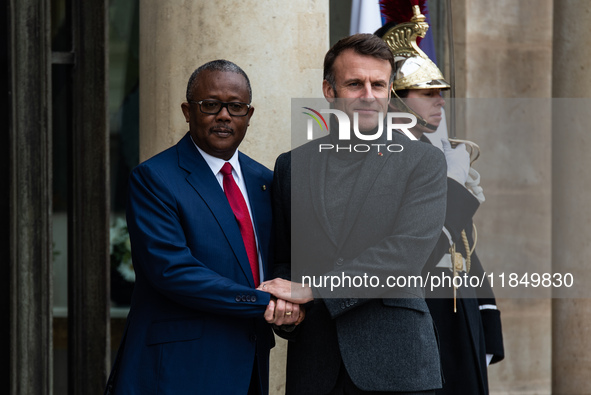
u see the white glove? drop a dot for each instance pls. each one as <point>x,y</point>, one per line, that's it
<point>458,161</point>
<point>473,185</point>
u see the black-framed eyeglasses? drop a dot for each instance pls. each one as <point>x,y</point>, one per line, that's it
<point>213,107</point>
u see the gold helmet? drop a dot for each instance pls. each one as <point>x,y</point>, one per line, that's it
<point>413,68</point>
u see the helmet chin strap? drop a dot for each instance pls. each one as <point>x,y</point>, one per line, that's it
<point>420,120</point>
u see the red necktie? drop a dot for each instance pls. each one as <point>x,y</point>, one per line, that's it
<point>240,210</point>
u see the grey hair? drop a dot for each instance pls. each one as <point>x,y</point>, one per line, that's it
<point>218,65</point>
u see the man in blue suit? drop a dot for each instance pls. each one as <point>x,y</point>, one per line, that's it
<point>199,219</point>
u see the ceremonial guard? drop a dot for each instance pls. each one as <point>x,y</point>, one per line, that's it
<point>467,319</point>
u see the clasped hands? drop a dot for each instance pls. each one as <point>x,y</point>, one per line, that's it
<point>286,300</point>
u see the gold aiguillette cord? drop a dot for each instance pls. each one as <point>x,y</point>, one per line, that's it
<point>457,261</point>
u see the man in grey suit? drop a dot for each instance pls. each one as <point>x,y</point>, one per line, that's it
<point>344,214</point>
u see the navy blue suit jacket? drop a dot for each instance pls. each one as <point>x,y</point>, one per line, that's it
<point>196,321</point>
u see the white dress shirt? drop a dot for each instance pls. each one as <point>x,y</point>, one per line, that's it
<point>215,164</point>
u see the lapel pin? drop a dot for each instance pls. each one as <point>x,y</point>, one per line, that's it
<point>264,187</point>
<point>380,154</point>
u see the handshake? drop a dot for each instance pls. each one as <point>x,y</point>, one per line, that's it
<point>286,300</point>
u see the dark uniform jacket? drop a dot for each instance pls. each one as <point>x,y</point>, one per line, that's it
<point>475,329</point>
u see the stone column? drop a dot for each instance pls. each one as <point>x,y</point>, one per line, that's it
<point>89,337</point>
<point>27,189</point>
<point>571,213</point>
<point>280,45</point>
<point>508,57</point>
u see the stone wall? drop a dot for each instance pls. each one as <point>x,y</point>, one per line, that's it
<point>507,54</point>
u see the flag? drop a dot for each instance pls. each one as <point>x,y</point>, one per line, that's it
<point>427,44</point>
<point>365,16</point>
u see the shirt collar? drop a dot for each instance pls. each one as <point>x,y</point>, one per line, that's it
<point>215,164</point>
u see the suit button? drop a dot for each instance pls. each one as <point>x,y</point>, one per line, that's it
<point>248,298</point>
<point>253,298</point>
<point>340,261</point>
<point>237,298</point>
<point>252,337</point>
<point>343,306</point>
<point>243,298</point>
<point>347,304</point>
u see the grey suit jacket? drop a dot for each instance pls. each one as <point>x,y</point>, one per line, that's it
<point>383,335</point>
